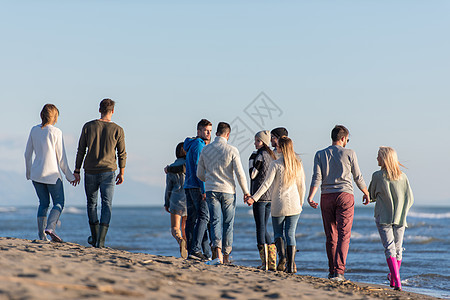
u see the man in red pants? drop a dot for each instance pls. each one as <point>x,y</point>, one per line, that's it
<point>334,167</point>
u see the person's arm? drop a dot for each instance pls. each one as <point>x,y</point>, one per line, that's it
<point>358,178</point>
<point>301,186</point>
<point>255,164</point>
<point>315,181</point>
<point>240,174</point>
<point>175,169</point>
<point>168,192</point>
<point>62,158</point>
<point>121,156</point>
<point>81,152</point>
<point>270,176</point>
<point>28,157</point>
<point>201,168</point>
<point>372,189</point>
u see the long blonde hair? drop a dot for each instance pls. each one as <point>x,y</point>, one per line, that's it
<point>389,162</point>
<point>292,164</point>
<point>49,113</point>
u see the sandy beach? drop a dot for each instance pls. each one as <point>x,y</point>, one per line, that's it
<point>45,270</point>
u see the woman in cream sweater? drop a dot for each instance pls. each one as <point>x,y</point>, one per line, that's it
<point>286,178</point>
<point>46,142</point>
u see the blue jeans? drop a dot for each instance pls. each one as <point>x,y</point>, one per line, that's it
<point>261,213</point>
<point>197,222</point>
<point>222,208</point>
<point>104,182</point>
<point>285,227</point>
<point>44,191</point>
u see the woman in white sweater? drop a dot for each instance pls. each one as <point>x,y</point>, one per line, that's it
<point>286,178</point>
<point>46,142</point>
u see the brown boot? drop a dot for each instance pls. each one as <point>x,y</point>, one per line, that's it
<point>272,257</point>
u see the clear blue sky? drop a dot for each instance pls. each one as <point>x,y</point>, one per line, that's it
<point>379,67</point>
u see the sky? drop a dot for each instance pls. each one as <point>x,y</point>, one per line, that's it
<point>381,68</point>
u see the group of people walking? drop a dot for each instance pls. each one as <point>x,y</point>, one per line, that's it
<point>101,146</point>
<point>201,197</point>
<point>201,190</point>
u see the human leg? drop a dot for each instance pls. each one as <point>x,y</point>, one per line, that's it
<point>107,184</point>
<point>344,220</point>
<point>259,216</point>
<point>290,228</point>
<point>215,212</point>
<point>328,209</point>
<point>57,192</point>
<point>387,239</point>
<point>91,186</point>
<point>44,203</point>
<point>228,212</point>
<point>190,219</point>
<point>175,221</point>
<point>277,224</point>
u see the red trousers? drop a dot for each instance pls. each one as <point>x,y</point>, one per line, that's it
<point>337,216</point>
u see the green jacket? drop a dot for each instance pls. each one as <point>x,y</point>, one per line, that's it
<point>393,198</point>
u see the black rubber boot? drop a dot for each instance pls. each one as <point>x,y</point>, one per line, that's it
<point>279,242</point>
<point>102,235</point>
<point>92,239</point>
<point>291,268</point>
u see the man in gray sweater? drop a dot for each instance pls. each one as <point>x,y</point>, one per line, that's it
<point>218,164</point>
<point>334,167</point>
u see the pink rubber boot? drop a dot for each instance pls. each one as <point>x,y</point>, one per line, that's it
<point>389,277</point>
<point>395,275</point>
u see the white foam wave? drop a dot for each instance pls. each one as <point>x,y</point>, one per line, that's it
<point>73,210</point>
<point>429,215</point>
<point>7,209</point>
<point>371,237</point>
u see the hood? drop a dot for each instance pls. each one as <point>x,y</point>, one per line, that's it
<point>188,142</point>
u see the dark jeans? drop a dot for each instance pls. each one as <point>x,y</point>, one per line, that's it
<point>104,182</point>
<point>261,213</point>
<point>197,222</point>
<point>337,216</point>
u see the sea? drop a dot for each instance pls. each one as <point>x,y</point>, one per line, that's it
<point>425,267</point>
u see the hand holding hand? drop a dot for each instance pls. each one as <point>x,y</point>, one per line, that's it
<point>204,197</point>
<point>250,200</point>
<point>77,179</point>
<point>166,208</point>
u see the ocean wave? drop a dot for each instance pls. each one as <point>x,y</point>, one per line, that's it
<point>7,209</point>
<point>420,239</point>
<point>373,237</point>
<point>429,215</point>
<point>73,210</point>
<point>429,280</point>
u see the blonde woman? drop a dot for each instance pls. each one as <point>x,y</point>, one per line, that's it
<point>46,142</point>
<point>392,193</point>
<point>286,178</point>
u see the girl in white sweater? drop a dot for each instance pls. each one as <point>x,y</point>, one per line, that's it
<point>286,178</point>
<point>46,142</point>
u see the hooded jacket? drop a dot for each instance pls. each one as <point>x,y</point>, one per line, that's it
<point>193,148</point>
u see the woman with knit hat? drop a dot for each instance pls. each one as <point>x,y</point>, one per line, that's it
<point>258,165</point>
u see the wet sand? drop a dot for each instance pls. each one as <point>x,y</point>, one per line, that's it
<point>45,270</point>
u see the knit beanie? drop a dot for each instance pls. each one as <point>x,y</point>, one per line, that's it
<point>279,132</point>
<point>264,136</point>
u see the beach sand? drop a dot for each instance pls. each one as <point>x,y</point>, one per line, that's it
<point>45,270</point>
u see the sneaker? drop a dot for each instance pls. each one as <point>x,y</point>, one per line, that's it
<point>338,277</point>
<point>54,236</point>
<point>197,256</point>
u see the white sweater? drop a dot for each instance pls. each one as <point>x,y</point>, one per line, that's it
<point>50,155</point>
<point>218,161</point>
<point>286,200</point>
